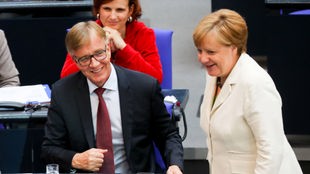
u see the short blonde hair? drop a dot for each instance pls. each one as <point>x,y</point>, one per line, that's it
<point>228,24</point>
<point>79,35</point>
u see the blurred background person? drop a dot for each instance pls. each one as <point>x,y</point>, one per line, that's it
<point>241,110</point>
<point>8,72</point>
<point>9,75</point>
<point>133,44</point>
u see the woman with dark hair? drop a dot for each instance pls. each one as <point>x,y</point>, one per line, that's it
<point>132,42</point>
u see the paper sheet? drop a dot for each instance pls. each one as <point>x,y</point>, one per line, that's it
<point>25,94</point>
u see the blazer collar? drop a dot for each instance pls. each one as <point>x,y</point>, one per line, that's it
<point>229,83</point>
<point>223,95</point>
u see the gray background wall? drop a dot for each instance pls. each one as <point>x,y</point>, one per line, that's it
<point>182,16</point>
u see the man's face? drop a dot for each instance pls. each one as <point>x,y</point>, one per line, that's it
<point>93,59</point>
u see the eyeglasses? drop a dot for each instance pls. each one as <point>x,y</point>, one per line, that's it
<point>99,55</point>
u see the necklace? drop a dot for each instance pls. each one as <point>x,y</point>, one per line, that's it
<point>218,82</point>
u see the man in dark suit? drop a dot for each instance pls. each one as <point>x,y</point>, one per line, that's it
<point>135,105</point>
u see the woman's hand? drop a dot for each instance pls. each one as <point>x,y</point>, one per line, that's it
<point>115,39</point>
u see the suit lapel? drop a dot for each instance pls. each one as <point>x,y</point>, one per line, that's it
<point>209,94</point>
<point>228,85</point>
<point>126,102</point>
<point>225,91</point>
<point>206,105</point>
<point>84,107</point>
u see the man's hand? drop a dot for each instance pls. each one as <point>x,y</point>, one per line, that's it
<point>174,169</point>
<point>90,160</point>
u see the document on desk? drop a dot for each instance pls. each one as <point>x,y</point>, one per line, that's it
<point>19,96</point>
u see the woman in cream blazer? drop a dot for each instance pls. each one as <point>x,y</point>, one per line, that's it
<point>241,110</point>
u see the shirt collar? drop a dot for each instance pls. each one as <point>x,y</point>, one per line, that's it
<point>110,84</point>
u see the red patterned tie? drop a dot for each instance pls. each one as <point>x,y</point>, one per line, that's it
<point>104,135</point>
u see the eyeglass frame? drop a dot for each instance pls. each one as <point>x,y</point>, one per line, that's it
<point>89,57</point>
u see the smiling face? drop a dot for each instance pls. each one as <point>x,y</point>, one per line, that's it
<point>115,14</point>
<point>218,59</point>
<point>220,38</point>
<point>97,71</point>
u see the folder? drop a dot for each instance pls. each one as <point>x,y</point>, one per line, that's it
<point>18,97</point>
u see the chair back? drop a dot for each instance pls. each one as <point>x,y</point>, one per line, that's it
<point>164,45</point>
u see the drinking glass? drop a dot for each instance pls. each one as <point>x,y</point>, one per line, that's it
<point>52,169</point>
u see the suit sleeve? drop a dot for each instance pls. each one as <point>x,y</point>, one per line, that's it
<point>166,133</point>
<point>55,146</point>
<point>264,115</point>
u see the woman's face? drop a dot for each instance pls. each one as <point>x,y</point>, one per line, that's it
<point>218,59</point>
<point>115,14</point>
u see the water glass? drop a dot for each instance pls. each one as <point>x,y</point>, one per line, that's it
<point>52,169</point>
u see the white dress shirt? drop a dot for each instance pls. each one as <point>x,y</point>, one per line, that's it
<point>111,98</point>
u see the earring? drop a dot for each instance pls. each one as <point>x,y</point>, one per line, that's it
<point>129,19</point>
<point>98,16</point>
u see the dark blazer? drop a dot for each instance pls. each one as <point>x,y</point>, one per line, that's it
<point>69,128</point>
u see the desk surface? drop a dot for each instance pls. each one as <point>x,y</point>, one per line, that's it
<point>9,116</point>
